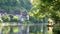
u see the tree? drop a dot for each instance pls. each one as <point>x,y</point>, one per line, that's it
<point>9,5</point>
<point>49,8</point>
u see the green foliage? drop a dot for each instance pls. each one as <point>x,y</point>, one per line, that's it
<point>15,19</point>
<point>15,4</point>
<point>9,18</point>
<point>5,18</point>
<point>49,8</point>
<point>56,30</point>
<point>1,20</point>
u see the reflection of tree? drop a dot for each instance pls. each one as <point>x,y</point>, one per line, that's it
<point>5,29</point>
<point>11,29</point>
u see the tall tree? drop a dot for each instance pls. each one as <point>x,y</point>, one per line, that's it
<point>49,8</point>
